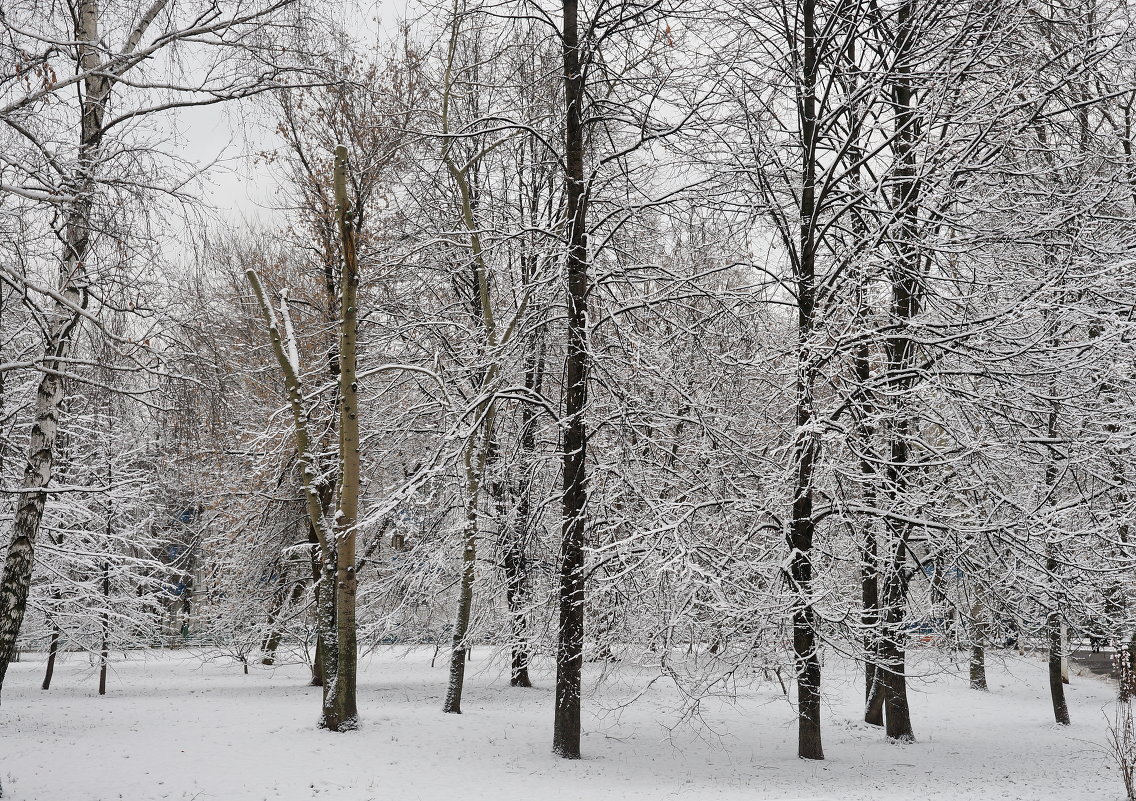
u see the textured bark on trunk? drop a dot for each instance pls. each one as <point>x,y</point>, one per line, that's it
<point>15,581</point>
<point>458,652</point>
<point>979,635</point>
<point>906,291</point>
<point>891,666</point>
<point>1124,661</point>
<point>1056,686</point>
<point>570,635</point>
<point>340,707</point>
<point>317,658</point>
<point>803,524</point>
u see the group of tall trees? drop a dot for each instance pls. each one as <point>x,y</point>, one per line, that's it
<point>720,336</point>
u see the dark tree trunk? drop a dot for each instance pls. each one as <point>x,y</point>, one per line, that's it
<point>1056,686</point>
<point>900,347</point>
<point>458,652</point>
<point>570,635</point>
<point>803,525</point>
<point>892,650</point>
<point>52,650</point>
<point>105,625</point>
<point>869,558</point>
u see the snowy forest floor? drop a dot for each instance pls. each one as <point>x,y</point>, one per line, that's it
<point>172,727</point>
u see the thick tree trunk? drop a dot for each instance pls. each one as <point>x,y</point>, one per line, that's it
<point>1124,662</point>
<point>340,705</point>
<point>892,651</point>
<point>979,636</point>
<point>803,525</point>
<point>1056,686</point>
<point>570,635</point>
<point>900,347</point>
<point>327,647</point>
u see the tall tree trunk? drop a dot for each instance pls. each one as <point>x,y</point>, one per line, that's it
<point>570,635</point>
<point>803,525</point>
<point>15,581</point>
<point>869,557</point>
<point>1053,619</point>
<point>340,706</point>
<point>906,290</point>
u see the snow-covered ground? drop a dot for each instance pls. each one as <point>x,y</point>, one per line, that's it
<point>172,727</point>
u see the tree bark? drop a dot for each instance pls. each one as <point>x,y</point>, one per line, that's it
<point>979,636</point>
<point>806,445</point>
<point>104,621</point>
<point>900,347</point>
<point>458,651</point>
<point>340,704</point>
<point>52,650</point>
<point>1056,686</point>
<point>570,635</point>
<point>15,581</point>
